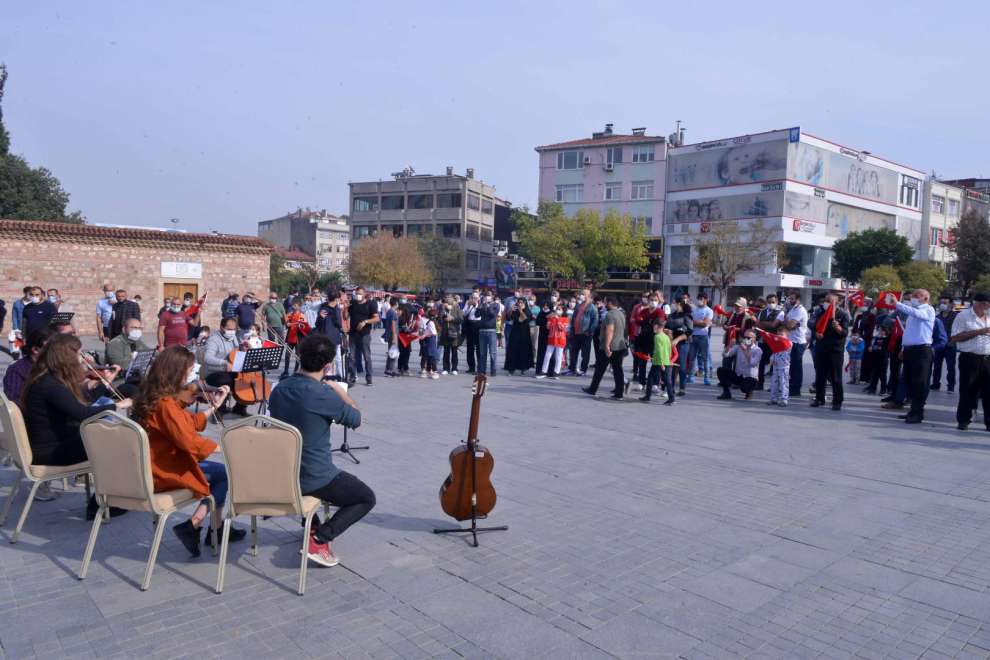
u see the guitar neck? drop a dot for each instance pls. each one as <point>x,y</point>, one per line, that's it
<point>472,438</point>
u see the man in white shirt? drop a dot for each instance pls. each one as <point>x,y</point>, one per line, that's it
<point>469,328</point>
<point>702,317</point>
<point>795,319</point>
<point>917,349</point>
<point>971,335</point>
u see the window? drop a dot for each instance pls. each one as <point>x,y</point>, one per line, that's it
<point>393,202</point>
<point>395,230</point>
<point>487,206</point>
<point>570,160</point>
<point>449,201</point>
<point>471,262</point>
<point>421,201</point>
<point>365,204</point>
<point>613,192</point>
<point>936,237</point>
<point>419,229</point>
<point>644,221</point>
<point>642,190</point>
<point>485,263</point>
<point>680,259</point>
<point>360,231</point>
<point>909,191</point>
<point>642,153</point>
<point>449,230</point>
<point>486,233</point>
<point>472,232</point>
<point>570,192</point>
<point>342,249</point>
<point>954,208</point>
<point>474,202</point>
<point>613,155</point>
<point>938,204</point>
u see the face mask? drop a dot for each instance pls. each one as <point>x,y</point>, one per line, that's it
<point>580,299</point>
<point>943,307</point>
<point>358,297</point>
<point>229,334</point>
<point>134,335</point>
<point>53,299</point>
<point>252,333</point>
<point>35,299</point>
<point>273,300</point>
<point>249,300</point>
<point>654,304</point>
<point>176,308</point>
<point>109,294</point>
<point>915,302</point>
<point>193,374</point>
<point>747,342</point>
<point>553,298</point>
<point>488,299</point>
<point>204,336</point>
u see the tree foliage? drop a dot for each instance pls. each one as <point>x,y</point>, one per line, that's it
<point>982,284</point>
<point>445,260</point>
<point>28,193</point>
<point>872,247</point>
<point>880,278</point>
<point>923,275</point>
<point>727,250</point>
<point>970,242</point>
<point>386,261</point>
<point>285,280</point>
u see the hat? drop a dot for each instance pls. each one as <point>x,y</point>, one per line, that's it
<point>741,302</point>
<point>982,296</point>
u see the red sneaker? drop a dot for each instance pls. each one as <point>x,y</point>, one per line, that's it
<point>321,553</point>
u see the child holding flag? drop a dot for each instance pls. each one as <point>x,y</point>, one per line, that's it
<point>780,361</point>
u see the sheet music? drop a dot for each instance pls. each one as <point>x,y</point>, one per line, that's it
<point>238,361</point>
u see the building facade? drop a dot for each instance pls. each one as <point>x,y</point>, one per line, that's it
<point>942,210</point>
<point>977,196</point>
<point>79,259</point>
<point>451,206</point>
<point>322,235</point>
<point>808,190</point>
<point>608,171</point>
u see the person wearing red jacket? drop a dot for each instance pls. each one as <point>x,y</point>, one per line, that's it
<point>557,326</point>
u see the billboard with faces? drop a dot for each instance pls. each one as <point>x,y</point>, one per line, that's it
<point>733,164</point>
<point>841,172</point>
<point>840,219</point>
<point>726,207</point>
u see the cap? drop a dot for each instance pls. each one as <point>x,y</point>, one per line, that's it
<point>741,302</point>
<point>981,296</point>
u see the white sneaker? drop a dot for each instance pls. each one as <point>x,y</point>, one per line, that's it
<point>443,373</point>
<point>638,387</point>
<point>453,372</point>
<point>435,376</point>
<point>423,374</point>
<point>539,376</point>
<point>782,404</point>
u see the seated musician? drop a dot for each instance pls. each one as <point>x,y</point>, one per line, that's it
<point>311,404</point>
<point>216,358</point>
<point>178,452</point>
<point>17,373</point>
<point>121,350</point>
<point>56,399</point>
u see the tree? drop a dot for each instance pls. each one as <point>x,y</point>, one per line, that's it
<point>445,260</point>
<point>388,262</point>
<point>546,240</point>
<point>28,193</point>
<point>880,278</point>
<point>923,275</point>
<point>872,247</point>
<point>726,251</point>
<point>285,281</point>
<point>970,242</point>
<point>982,284</point>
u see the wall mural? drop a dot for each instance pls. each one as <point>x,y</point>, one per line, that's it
<point>753,205</point>
<point>837,171</point>
<point>730,165</point>
<point>843,219</point>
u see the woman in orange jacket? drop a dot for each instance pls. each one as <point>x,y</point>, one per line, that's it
<point>178,452</point>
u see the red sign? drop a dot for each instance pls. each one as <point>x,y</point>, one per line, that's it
<point>706,227</point>
<point>814,282</point>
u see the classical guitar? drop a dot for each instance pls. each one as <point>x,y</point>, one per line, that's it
<point>468,492</point>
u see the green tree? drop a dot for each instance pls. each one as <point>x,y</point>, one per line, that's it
<point>872,247</point>
<point>727,251</point>
<point>923,275</point>
<point>546,240</point>
<point>28,193</point>
<point>880,278</point>
<point>970,242</point>
<point>445,260</point>
<point>388,262</point>
<point>982,284</point>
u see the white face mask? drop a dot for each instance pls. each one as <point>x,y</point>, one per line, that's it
<point>134,335</point>
<point>747,342</point>
<point>176,308</point>
<point>53,299</point>
<point>580,299</point>
<point>35,299</point>
<point>193,374</point>
<point>553,298</point>
<point>488,299</point>
<point>229,334</point>
<point>943,307</point>
<point>654,304</point>
<point>358,297</point>
<point>109,295</point>
<point>644,301</point>
<point>252,333</point>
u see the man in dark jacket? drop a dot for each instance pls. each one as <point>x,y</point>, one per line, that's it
<point>37,313</point>
<point>947,353</point>
<point>584,323</point>
<point>831,335</point>
<point>123,309</point>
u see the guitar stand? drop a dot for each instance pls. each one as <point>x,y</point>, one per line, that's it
<point>346,449</point>
<point>473,529</point>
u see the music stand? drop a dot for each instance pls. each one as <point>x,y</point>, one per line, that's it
<point>346,448</point>
<point>140,363</point>
<point>61,317</point>
<point>262,359</point>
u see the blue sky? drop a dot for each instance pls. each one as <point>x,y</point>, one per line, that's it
<point>226,113</point>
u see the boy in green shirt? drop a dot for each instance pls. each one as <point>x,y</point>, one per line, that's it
<point>663,348</point>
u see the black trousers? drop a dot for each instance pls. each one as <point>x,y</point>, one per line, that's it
<point>656,373</point>
<point>878,369</point>
<point>404,351</point>
<point>918,372</point>
<point>354,499</point>
<point>727,377</point>
<point>894,372</point>
<point>581,345</point>
<point>450,357</point>
<point>541,350</point>
<point>470,331</point>
<point>361,345</point>
<point>828,367</point>
<point>639,371</point>
<point>601,364</point>
<point>974,386</point>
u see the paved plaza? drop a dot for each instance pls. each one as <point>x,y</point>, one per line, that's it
<point>709,529</point>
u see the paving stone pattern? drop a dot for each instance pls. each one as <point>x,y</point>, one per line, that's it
<point>707,530</point>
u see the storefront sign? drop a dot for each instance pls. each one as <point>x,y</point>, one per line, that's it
<point>819,193</point>
<point>794,134</point>
<point>771,187</point>
<point>711,145</point>
<point>806,227</point>
<point>183,269</point>
<point>814,282</point>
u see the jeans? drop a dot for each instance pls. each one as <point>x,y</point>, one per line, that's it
<point>580,345</point>
<point>917,373</point>
<point>656,372</point>
<point>216,475</point>
<point>487,349</point>
<point>450,356</point>
<point>700,354</point>
<point>361,347</point>
<point>352,497</point>
<point>602,362</point>
<point>974,386</point>
<point>948,354</point>
<point>797,369</point>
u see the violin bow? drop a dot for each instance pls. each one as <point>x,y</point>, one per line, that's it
<point>113,390</point>
<point>216,418</point>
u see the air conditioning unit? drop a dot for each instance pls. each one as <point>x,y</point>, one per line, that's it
<point>609,167</point>
<point>587,160</point>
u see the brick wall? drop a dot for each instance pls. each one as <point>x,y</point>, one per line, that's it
<point>79,270</point>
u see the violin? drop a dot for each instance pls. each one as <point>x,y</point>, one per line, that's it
<point>468,492</point>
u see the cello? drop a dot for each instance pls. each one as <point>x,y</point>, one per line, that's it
<point>467,493</point>
<point>250,387</point>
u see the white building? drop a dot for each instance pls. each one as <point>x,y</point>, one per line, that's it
<point>810,191</point>
<point>321,235</point>
<point>942,210</point>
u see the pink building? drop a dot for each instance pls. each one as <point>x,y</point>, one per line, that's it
<point>608,171</point>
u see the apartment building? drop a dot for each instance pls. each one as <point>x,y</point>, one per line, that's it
<point>321,235</point>
<point>809,190</point>
<point>624,172</point>
<point>452,206</point>
<point>942,210</point>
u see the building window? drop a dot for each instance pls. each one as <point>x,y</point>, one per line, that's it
<point>395,230</point>
<point>486,233</point>
<point>680,259</point>
<point>938,204</point>
<point>643,153</point>
<point>613,155</point>
<point>393,202</point>
<point>570,192</point>
<point>570,160</point>
<point>613,192</point>
<point>644,221</point>
<point>487,206</point>
<point>449,230</point>
<point>360,231</point>
<point>471,263</point>
<point>421,229</point>
<point>341,248</point>
<point>421,201</point>
<point>485,263</point>
<point>365,204</point>
<point>954,208</point>
<point>936,237</point>
<point>449,201</point>
<point>474,202</point>
<point>909,191</point>
<point>473,232</point>
<point>642,190</point>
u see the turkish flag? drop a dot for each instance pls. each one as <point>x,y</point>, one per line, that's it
<point>896,333</point>
<point>721,311</point>
<point>822,324</point>
<point>406,338</point>
<point>774,342</point>
<point>882,299</point>
<point>856,299</point>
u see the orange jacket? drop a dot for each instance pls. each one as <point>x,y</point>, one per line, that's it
<point>177,448</point>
